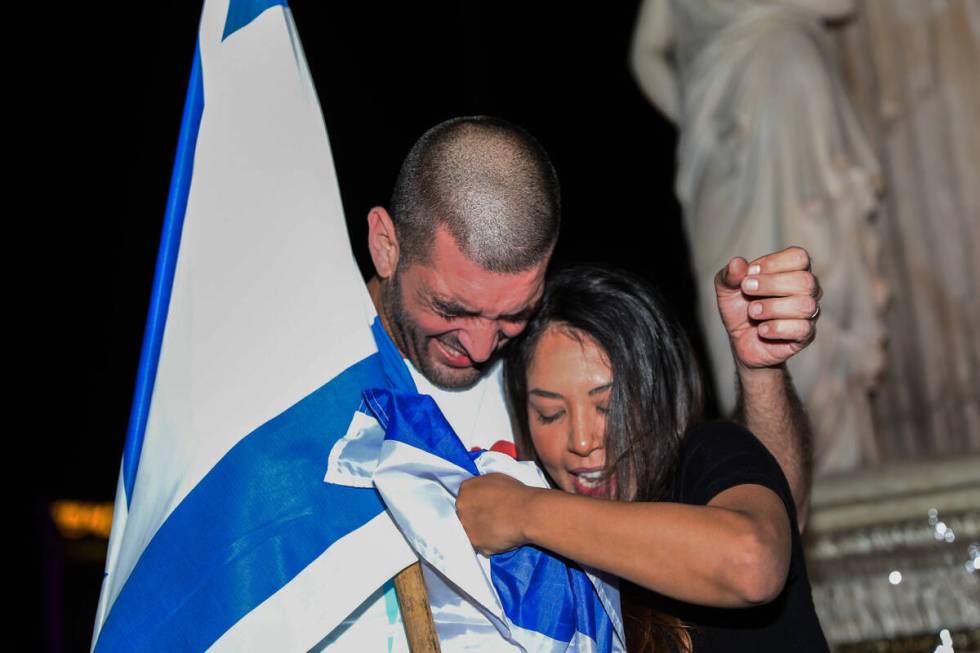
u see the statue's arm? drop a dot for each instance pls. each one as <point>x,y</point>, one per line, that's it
<point>652,40</point>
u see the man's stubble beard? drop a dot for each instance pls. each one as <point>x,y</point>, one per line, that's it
<point>415,346</point>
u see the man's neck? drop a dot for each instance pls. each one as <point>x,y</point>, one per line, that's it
<point>374,290</point>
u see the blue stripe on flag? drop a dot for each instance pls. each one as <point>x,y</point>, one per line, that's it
<point>243,12</point>
<point>528,578</point>
<point>258,518</point>
<point>416,420</point>
<point>163,278</point>
<point>397,373</point>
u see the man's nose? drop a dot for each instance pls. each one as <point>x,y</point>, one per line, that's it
<point>585,434</point>
<point>480,340</point>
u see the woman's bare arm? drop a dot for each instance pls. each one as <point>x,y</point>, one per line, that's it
<point>734,552</point>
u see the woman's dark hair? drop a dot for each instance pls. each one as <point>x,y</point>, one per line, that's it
<point>656,397</point>
<point>657,392</point>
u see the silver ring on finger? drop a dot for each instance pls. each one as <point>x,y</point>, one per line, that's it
<point>816,313</point>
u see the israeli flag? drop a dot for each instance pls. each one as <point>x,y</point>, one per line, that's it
<point>257,348</point>
<point>533,599</point>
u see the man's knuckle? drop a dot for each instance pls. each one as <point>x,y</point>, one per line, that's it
<point>800,256</point>
<point>810,284</point>
<point>811,335</point>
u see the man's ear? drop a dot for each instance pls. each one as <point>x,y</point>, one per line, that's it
<point>382,242</point>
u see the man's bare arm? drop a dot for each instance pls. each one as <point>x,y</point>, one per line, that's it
<point>769,407</point>
<point>769,307</point>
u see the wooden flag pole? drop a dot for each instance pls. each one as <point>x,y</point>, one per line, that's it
<point>416,614</point>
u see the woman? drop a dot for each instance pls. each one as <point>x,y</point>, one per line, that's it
<point>696,518</point>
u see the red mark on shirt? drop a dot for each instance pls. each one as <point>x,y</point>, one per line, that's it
<point>502,446</point>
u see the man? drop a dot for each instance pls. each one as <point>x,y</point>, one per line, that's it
<point>461,261</point>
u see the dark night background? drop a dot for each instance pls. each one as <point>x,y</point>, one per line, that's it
<point>384,73</point>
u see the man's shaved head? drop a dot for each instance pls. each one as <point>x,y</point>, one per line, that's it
<point>490,183</point>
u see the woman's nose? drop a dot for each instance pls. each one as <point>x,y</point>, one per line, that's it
<point>586,433</point>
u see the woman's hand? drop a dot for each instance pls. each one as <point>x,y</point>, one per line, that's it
<point>492,509</point>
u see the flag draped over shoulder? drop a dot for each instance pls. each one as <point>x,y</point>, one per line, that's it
<point>257,348</point>
<point>527,599</point>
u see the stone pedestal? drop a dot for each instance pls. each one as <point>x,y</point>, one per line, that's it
<point>893,554</point>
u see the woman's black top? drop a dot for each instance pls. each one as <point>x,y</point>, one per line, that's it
<point>714,457</point>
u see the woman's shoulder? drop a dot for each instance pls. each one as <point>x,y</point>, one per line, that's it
<point>719,455</point>
<point>719,439</point>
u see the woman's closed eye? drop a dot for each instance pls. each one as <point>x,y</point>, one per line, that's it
<point>548,418</point>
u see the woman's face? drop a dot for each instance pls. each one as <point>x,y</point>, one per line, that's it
<point>569,383</point>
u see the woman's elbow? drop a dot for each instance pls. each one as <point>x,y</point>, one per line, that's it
<point>760,569</point>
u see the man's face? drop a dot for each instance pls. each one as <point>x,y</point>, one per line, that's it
<point>449,316</point>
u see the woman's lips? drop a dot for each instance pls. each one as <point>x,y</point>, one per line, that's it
<point>590,483</point>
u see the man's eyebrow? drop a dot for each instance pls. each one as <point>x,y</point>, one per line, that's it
<point>452,308</point>
<point>522,315</point>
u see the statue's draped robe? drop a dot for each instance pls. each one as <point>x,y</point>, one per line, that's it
<point>771,155</point>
